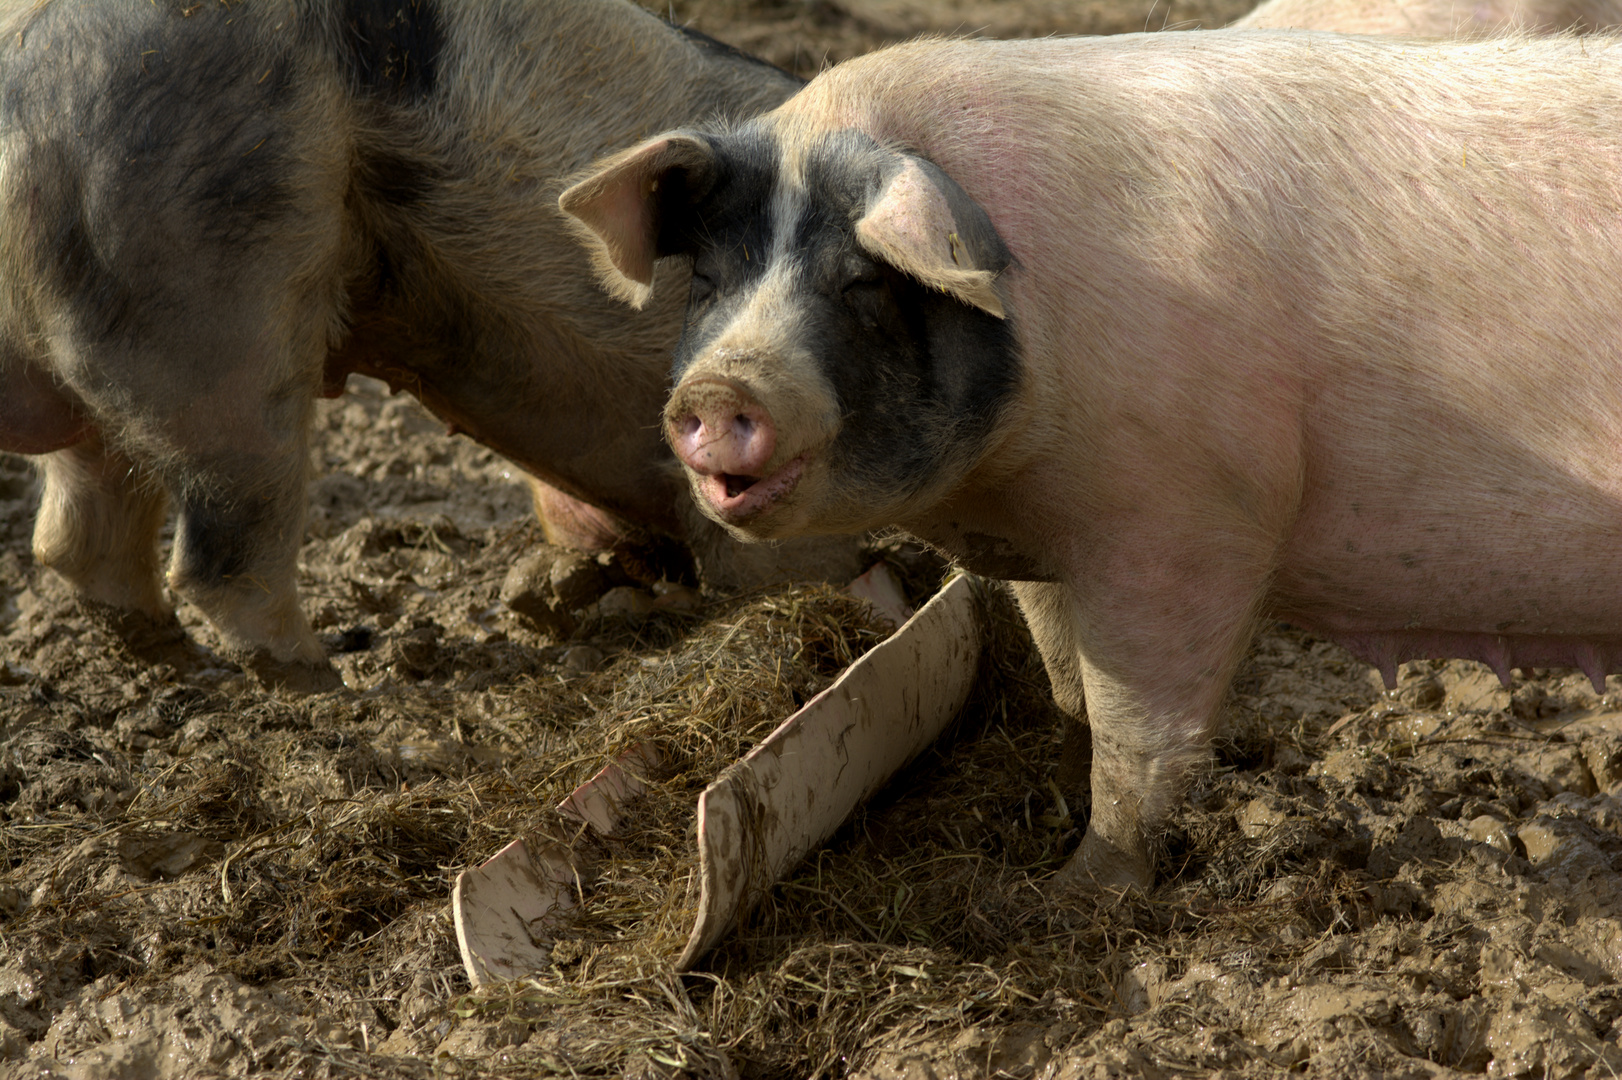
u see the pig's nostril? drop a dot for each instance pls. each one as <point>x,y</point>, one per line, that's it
<point>745,426</point>
<point>691,425</point>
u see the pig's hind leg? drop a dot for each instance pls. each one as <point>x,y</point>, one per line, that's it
<point>212,394</point>
<point>236,457</point>
<point>100,514</point>
<point>241,517</point>
<point>184,252</point>
<point>1046,606</point>
<point>229,441</point>
<point>97,527</point>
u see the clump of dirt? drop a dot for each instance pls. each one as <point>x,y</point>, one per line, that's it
<point>203,878</point>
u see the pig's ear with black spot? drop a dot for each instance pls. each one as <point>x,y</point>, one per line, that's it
<point>625,205</point>
<point>923,224</point>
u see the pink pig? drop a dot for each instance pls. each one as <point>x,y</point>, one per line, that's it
<point>1176,331</point>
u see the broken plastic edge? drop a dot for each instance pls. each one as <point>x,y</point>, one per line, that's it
<point>728,887</point>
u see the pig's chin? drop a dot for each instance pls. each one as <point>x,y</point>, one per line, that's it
<point>746,502</point>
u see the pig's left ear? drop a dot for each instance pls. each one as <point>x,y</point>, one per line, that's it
<point>928,228</point>
<point>623,203</point>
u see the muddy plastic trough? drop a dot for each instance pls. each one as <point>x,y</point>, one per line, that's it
<point>763,814</point>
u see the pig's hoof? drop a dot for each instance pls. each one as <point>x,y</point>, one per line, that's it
<point>293,676</point>
<point>1099,866</point>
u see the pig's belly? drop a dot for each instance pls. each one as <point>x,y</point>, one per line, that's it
<point>1510,578</point>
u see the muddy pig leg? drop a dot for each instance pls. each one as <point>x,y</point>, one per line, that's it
<point>98,528</point>
<point>1046,606</point>
<point>236,540</point>
<point>193,322</point>
<point>210,392</point>
<point>1157,643</point>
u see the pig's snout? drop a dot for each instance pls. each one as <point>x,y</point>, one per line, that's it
<point>718,429</point>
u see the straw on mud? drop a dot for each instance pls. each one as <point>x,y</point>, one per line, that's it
<point>338,852</point>
<point>887,922</point>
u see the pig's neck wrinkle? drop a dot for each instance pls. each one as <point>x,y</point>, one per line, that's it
<point>977,537</point>
<point>1596,657</point>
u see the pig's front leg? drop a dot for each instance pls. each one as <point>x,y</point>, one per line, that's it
<point>237,537</point>
<point>1046,606</point>
<point>1154,645</point>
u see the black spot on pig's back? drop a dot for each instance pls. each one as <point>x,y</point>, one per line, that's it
<point>391,48</point>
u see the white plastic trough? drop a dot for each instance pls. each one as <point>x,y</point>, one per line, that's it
<point>763,814</point>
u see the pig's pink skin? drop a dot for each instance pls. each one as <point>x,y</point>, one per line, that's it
<point>35,417</point>
<point>1361,369</point>
<point>1595,655</point>
<point>724,431</point>
<point>568,522</point>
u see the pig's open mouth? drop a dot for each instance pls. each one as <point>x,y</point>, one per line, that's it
<point>737,498</point>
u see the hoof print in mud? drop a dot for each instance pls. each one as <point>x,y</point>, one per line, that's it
<point>153,638</point>
<point>415,653</point>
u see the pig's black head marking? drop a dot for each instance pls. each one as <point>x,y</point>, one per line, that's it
<point>920,375</point>
<point>857,266</point>
<point>720,217</point>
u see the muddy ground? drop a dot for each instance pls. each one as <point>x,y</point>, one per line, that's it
<point>205,879</point>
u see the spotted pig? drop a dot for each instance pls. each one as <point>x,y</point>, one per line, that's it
<point>212,213</point>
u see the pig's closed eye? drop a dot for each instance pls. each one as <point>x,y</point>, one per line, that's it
<point>858,273</point>
<point>865,289</point>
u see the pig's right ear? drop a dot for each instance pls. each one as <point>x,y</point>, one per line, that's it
<point>622,207</point>
<point>923,224</point>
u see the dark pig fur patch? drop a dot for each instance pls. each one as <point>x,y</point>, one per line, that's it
<point>172,112</point>
<point>392,47</point>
